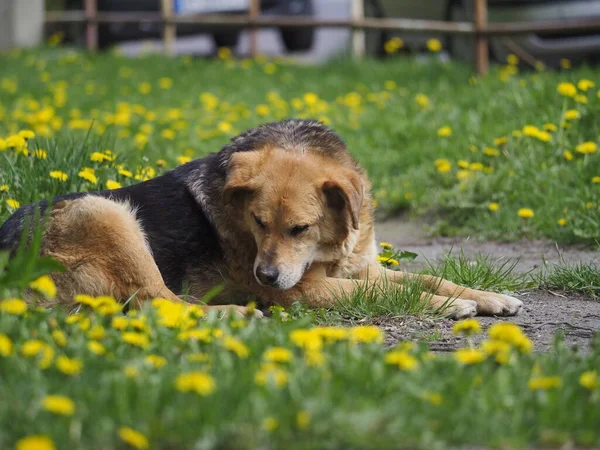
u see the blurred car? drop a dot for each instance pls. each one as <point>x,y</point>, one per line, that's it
<point>549,48</point>
<point>294,39</point>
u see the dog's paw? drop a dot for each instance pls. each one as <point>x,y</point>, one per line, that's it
<point>248,312</point>
<point>499,305</point>
<point>461,309</point>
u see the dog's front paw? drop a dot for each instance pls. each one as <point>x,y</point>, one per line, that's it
<point>248,312</point>
<point>499,305</point>
<point>461,309</point>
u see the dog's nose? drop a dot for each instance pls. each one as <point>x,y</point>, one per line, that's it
<point>267,274</point>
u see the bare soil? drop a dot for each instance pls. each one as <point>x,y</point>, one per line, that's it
<point>545,313</point>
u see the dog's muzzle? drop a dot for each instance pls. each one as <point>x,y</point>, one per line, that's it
<point>267,274</point>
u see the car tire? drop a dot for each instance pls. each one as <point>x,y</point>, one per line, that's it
<point>227,39</point>
<point>299,39</point>
<point>375,39</point>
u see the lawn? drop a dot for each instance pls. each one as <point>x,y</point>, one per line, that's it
<point>508,156</point>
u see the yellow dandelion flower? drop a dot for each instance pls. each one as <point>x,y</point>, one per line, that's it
<point>136,339</point>
<point>59,404</point>
<point>99,157</point>
<point>544,383</point>
<point>161,163</point>
<point>580,98</point>
<point>572,114</point>
<point>270,424</point>
<point>44,285</point>
<point>589,380</point>
<point>198,382</point>
<point>444,131</point>
<point>69,366</point>
<point>386,245</point>
<point>58,175</point>
<point>422,100</point>
<point>183,159</point>
<point>366,334</point>
<point>14,306</point>
<point>584,85</point>
<point>112,184</point>
<point>130,371</point>
<point>278,354</point>
<point>236,346</point>
<point>96,347</point>
<point>134,438</point>
<point>562,221</point>
<point>566,89</point>
<point>156,361</point>
<point>469,356</point>
<point>303,419</point>
<point>596,179</point>
<point>494,206</point>
<point>88,176</point>
<point>165,83</point>
<point>145,88</point>
<point>443,165</point>
<point>568,155</point>
<point>525,213</point>
<point>586,147</point>
<point>97,332</point>
<point>468,327</point>
<point>489,151</point>
<point>6,345</point>
<point>36,442</point>
<point>4,187</point>
<point>498,142</point>
<point>393,45</point>
<point>434,45</point>
<point>402,359</point>
<point>512,59</point>
<point>13,204</point>
<point>565,63</point>
<point>432,397</point>
<point>27,134</point>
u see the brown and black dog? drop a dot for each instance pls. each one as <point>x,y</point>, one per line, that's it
<point>282,213</point>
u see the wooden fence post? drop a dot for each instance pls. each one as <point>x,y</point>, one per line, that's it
<point>91,26</point>
<point>169,30</point>
<point>253,14</point>
<point>358,35</point>
<point>482,54</point>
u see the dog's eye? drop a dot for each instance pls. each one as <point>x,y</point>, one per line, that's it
<point>298,229</point>
<point>259,222</point>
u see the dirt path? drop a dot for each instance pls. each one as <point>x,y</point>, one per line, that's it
<point>545,313</point>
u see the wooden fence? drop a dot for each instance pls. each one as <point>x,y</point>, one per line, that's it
<point>479,28</point>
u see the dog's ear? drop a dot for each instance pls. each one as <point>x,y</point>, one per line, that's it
<point>240,174</point>
<point>345,192</point>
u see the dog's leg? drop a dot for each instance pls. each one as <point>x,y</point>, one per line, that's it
<point>104,251</point>
<point>324,291</point>
<point>488,303</point>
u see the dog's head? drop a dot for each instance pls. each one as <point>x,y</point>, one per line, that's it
<point>301,207</point>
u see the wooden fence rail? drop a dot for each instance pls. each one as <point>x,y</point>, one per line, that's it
<point>480,28</point>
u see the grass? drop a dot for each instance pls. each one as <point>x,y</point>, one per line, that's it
<point>233,383</point>
<point>104,120</point>
<point>481,272</point>
<point>573,277</point>
<point>153,113</point>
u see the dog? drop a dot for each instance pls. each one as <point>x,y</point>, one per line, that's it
<point>282,213</point>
